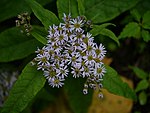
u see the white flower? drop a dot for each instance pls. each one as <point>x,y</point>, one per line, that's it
<point>87,71</point>
<point>62,71</point>
<point>76,25</point>
<point>79,37</point>
<point>88,46</point>
<point>52,30</point>
<point>75,57</point>
<point>66,18</point>
<point>67,27</point>
<point>50,72</point>
<point>42,59</point>
<point>76,71</point>
<point>56,82</point>
<point>100,51</point>
<point>88,38</point>
<point>61,38</point>
<point>99,70</point>
<point>41,51</point>
<point>89,58</point>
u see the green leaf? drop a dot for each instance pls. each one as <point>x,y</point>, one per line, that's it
<point>77,100</point>
<point>45,16</point>
<point>110,34</point>
<point>136,14</point>
<point>39,37</point>
<point>104,10</point>
<point>81,7</point>
<point>14,45</point>
<point>146,20</point>
<point>113,83</point>
<point>103,31</point>
<point>140,73</point>
<point>98,28</point>
<point>145,35</point>
<point>143,98</point>
<point>11,8</point>
<point>67,6</point>
<point>143,6</point>
<point>143,84</point>
<point>24,90</point>
<point>39,34</point>
<point>132,29</point>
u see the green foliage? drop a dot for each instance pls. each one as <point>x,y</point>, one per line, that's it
<point>77,100</point>
<point>142,98</point>
<point>135,14</point>
<point>145,35</point>
<point>143,84</point>
<point>143,6</point>
<point>24,90</point>
<point>140,73</point>
<point>146,20</point>
<point>131,30</point>
<point>115,85</point>
<point>14,7</point>
<point>14,45</point>
<point>104,10</point>
<point>37,34</point>
<point>67,6</point>
<point>101,29</point>
<point>81,7</point>
<point>39,37</point>
<point>137,30</point>
<point>45,16</point>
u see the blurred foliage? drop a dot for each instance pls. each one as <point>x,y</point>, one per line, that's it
<point>126,36</point>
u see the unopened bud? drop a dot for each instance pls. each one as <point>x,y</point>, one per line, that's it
<point>85,91</point>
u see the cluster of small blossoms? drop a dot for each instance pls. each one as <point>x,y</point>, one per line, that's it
<point>23,23</point>
<point>70,49</point>
<point>7,79</point>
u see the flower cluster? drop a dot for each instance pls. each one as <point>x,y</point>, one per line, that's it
<point>70,49</point>
<point>23,23</point>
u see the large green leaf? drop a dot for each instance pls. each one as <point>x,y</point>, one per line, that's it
<point>110,34</point>
<point>146,20</point>
<point>98,28</point>
<point>81,7</point>
<point>39,37</point>
<point>136,14</point>
<point>39,33</point>
<point>139,72</point>
<point>14,45</point>
<point>45,16</point>
<point>143,6</point>
<point>24,90</point>
<point>103,31</point>
<point>143,84</point>
<point>103,10</point>
<point>142,98</point>
<point>113,83</point>
<point>11,8</point>
<point>132,29</point>
<point>67,6</point>
<point>77,100</point>
<point>146,35</point>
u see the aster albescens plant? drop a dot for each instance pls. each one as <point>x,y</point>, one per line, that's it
<point>70,48</point>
